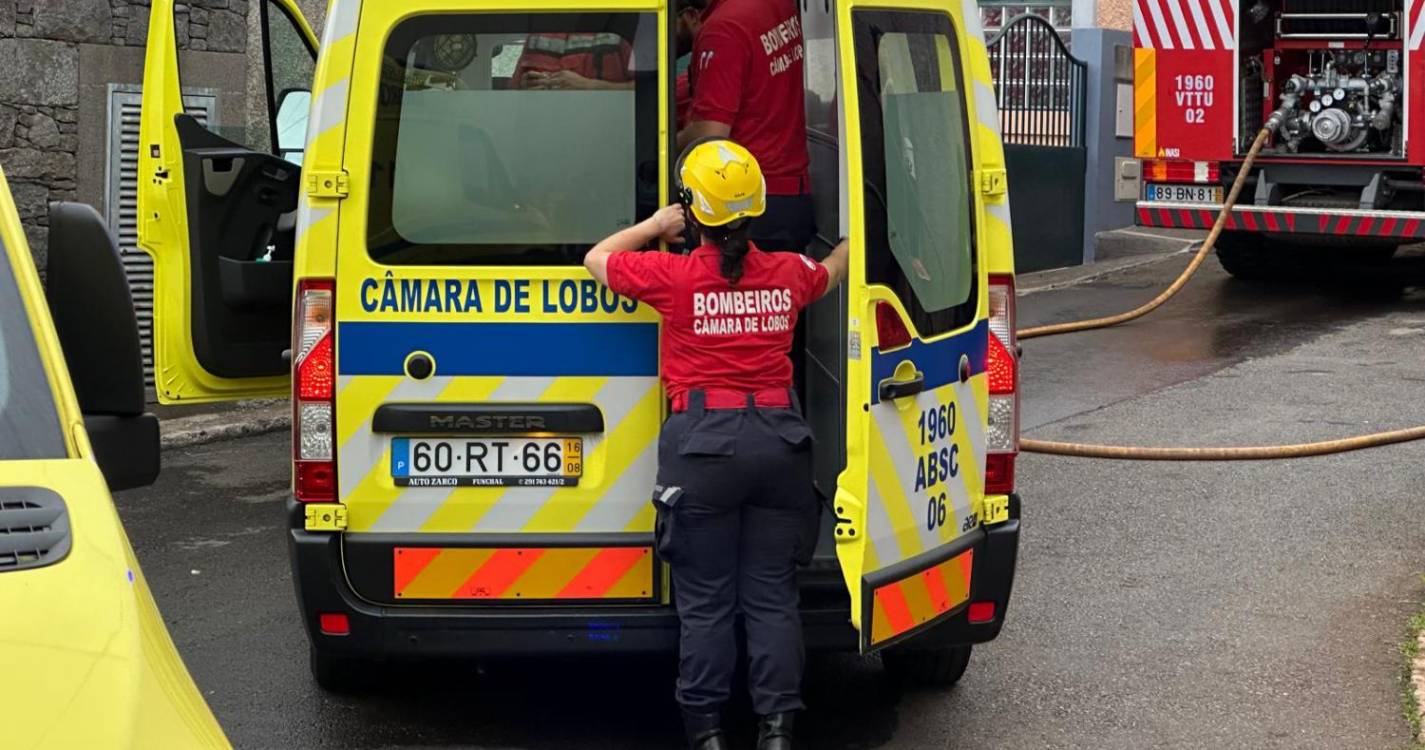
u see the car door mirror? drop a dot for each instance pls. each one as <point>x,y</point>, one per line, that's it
<point>93,312</point>
<point>293,108</point>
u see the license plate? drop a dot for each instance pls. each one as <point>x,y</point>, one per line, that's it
<point>487,462</point>
<point>1185,193</point>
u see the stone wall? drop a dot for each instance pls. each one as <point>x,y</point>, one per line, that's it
<point>47,118</point>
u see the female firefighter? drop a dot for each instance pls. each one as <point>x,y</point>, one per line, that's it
<point>735,503</point>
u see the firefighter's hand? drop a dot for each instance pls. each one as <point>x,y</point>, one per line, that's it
<point>668,223</point>
<point>559,79</point>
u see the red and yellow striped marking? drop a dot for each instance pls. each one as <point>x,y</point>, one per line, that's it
<point>1145,103</point>
<point>920,598</point>
<point>1253,219</point>
<point>524,573</point>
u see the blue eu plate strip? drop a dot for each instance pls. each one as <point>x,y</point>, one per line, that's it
<point>401,458</point>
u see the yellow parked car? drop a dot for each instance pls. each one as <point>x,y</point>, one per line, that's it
<point>85,660</point>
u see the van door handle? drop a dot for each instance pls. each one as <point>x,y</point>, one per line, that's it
<point>892,389</point>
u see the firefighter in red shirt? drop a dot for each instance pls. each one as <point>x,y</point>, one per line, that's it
<point>689,20</point>
<point>583,60</point>
<point>747,84</point>
<point>735,504</point>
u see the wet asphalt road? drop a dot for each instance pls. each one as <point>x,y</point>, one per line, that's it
<point>1157,605</point>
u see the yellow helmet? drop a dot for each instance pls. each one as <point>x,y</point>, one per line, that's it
<point>721,182</point>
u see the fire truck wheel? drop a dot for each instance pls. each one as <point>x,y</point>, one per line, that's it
<point>341,674</point>
<point>937,668</point>
<point>1247,257</point>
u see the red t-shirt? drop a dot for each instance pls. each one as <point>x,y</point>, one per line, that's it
<point>747,73</point>
<point>683,95</point>
<point>716,335</point>
<point>602,57</point>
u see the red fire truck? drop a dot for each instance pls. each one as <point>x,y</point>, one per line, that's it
<point>1342,171</point>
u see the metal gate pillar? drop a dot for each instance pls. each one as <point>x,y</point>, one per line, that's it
<point>1108,131</point>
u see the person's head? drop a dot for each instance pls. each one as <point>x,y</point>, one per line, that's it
<point>722,187</point>
<point>690,20</point>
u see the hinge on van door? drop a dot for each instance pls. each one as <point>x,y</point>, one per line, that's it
<point>326,517</point>
<point>333,184</point>
<point>994,509</point>
<point>993,181</point>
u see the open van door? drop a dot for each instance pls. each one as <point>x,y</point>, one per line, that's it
<point>217,210</point>
<point>909,501</point>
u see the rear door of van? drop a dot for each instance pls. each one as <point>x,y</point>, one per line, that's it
<point>497,410</point>
<point>909,503</point>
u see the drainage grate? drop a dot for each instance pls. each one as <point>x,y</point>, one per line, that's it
<point>34,528</point>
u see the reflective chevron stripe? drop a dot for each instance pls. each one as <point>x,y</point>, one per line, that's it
<point>612,496</point>
<point>1185,24</point>
<point>1340,222</point>
<point>1415,15</point>
<point>1145,103</point>
<point>524,573</point>
<point>908,466</point>
<point>918,599</point>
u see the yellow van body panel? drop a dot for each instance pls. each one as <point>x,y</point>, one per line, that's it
<point>618,472</point>
<point>87,659</point>
<point>882,514</point>
<point>326,136</point>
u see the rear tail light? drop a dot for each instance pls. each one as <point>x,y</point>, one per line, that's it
<point>314,392</point>
<point>337,623</point>
<point>1002,367</point>
<point>981,612</point>
<point>891,332</point>
<point>1164,170</point>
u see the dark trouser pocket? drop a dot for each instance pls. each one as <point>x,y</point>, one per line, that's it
<point>665,525</point>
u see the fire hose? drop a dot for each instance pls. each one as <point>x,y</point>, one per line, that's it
<point>1246,453</point>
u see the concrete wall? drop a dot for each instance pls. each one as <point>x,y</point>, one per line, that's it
<point>57,60</point>
<point>1115,14</point>
<point>1096,47</point>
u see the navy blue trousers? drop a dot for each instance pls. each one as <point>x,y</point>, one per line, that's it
<point>736,511</point>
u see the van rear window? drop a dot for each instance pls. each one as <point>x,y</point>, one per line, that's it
<point>917,162</point>
<point>513,139</point>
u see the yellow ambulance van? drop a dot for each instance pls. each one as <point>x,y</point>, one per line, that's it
<point>398,246</point>
<point>86,658</point>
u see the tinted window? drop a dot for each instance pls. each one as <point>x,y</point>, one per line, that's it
<point>29,421</point>
<point>916,152</point>
<point>513,139</point>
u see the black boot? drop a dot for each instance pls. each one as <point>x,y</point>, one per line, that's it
<point>704,731</point>
<point>775,731</point>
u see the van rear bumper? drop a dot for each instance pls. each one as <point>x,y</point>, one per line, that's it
<point>416,632</point>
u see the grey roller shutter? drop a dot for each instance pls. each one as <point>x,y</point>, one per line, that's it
<point>121,196</point>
